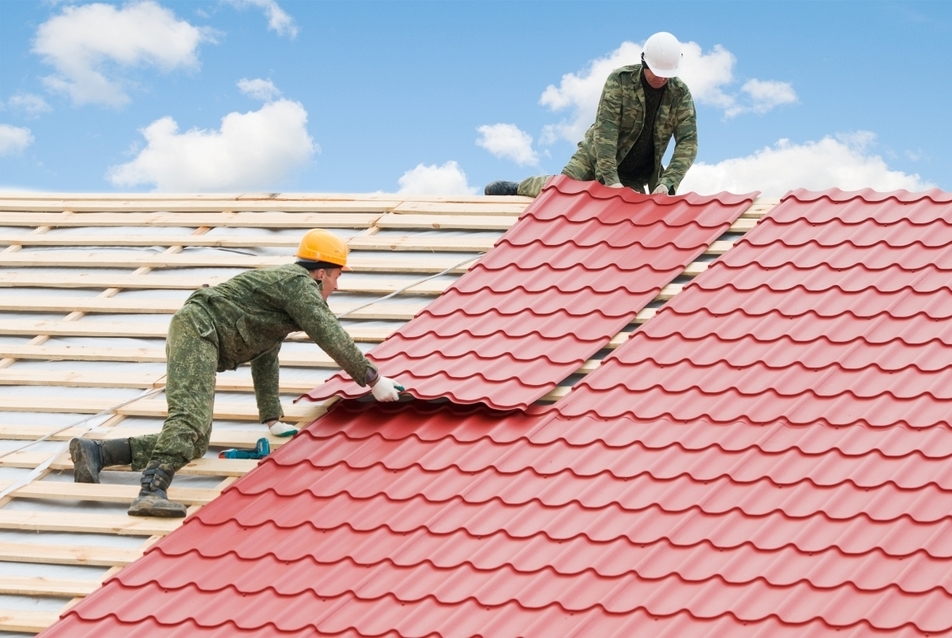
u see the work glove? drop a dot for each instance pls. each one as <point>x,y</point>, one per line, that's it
<point>282,429</point>
<point>618,185</point>
<point>386,390</point>
<point>660,189</point>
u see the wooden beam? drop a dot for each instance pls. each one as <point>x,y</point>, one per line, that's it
<point>26,621</point>
<point>224,410</point>
<point>399,221</point>
<point>220,437</point>
<point>78,522</point>
<point>149,330</point>
<point>47,587</point>
<point>198,467</point>
<point>33,279</point>
<point>82,555</point>
<point>316,359</point>
<point>213,467</point>
<point>403,311</point>
<point>372,242</point>
<point>761,207</point>
<point>186,215</point>
<point>358,263</point>
<point>422,244</point>
<point>508,206</point>
<point>143,381</point>
<point>103,493</point>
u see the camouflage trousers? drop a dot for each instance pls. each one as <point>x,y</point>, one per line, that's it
<point>579,167</point>
<point>191,350</point>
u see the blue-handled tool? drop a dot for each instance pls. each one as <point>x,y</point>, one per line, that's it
<point>262,449</point>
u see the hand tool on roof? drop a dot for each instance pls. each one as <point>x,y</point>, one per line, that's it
<point>262,449</point>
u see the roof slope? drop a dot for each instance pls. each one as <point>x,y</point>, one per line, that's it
<point>579,264</point>
<point>772,484</point>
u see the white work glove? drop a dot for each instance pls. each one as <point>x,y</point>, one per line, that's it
<point>282,429</point>
<point>387,390</point>
<point>618,185</point>
<point>660,189</point>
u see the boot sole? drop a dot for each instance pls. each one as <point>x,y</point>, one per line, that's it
<point>157,508</point>
<point>158,513</point>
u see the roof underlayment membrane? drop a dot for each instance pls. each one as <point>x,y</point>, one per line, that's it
<point>768,454</point>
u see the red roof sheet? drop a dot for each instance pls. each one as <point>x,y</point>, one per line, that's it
<point>833,310</point>
<point>425,520</point>
<point>574,270</point>
<point>717,499</point>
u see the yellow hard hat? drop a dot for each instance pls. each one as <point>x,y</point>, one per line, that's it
<point>321,245</point>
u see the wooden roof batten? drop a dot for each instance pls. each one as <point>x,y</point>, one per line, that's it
<point>419,235</point>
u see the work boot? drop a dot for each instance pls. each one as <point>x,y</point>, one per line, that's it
<point>153,499</point>
<point>501,188</point>
<point>90,457</point>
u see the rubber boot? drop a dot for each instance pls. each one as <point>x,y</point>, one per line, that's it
<point>153,499</point>
<point>90,457</point>
<point>501,188</point>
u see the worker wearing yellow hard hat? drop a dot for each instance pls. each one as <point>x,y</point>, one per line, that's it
<point>242,320</point>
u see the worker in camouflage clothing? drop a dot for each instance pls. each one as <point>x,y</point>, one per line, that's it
<point>244,319</point>
<point>641,108</point>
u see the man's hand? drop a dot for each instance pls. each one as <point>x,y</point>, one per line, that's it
<point>660,189</point>
<point>386,390</point>
<point>616,185</point>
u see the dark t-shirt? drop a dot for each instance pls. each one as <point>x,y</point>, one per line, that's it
<point>638,164</point>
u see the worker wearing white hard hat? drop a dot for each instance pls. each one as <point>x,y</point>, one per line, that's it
<point>642,107</point>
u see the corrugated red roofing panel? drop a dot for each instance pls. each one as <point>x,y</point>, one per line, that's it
<point>439,520</point>
<point>576,268</point>
<point>734,469</point>
<point>815,316</point>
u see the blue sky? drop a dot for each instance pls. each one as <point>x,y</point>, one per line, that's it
<point>442,97</point>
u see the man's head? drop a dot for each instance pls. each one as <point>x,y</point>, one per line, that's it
<point>324,254</point>
<point>661,58</point>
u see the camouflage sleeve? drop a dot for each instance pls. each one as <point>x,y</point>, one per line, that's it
<point>265,373</point>
<point>309,310</point>
<point>605,133</point>
<point>685,143</point>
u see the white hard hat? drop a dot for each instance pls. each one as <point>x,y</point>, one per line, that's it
<point>662,54</point>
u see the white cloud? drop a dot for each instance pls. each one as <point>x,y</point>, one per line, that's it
<point>14,139</point>
<point>90,43</point>
<point>28,104</point>
<point>708,75</point>
<point>251,151</point>
<point>580,94</point>
<point>507,141</point>
<point>259,89</point>
<point>845,162</point>
<point>763,97</point>
<point>278,20</point>
<point>448,179</point>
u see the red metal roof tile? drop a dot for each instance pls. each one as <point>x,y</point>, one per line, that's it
<point>364,523</point>
<point>861,345</point>
<point>761,502</point>
<point>576,268</point>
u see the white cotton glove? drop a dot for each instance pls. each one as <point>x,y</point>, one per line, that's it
<point>660,189</point>
<point>618,185</point>
<point>387,390</point>
<point>282,429</point>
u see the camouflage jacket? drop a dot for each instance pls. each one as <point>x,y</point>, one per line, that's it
<point>620,118</point>
<point>253,312</point>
